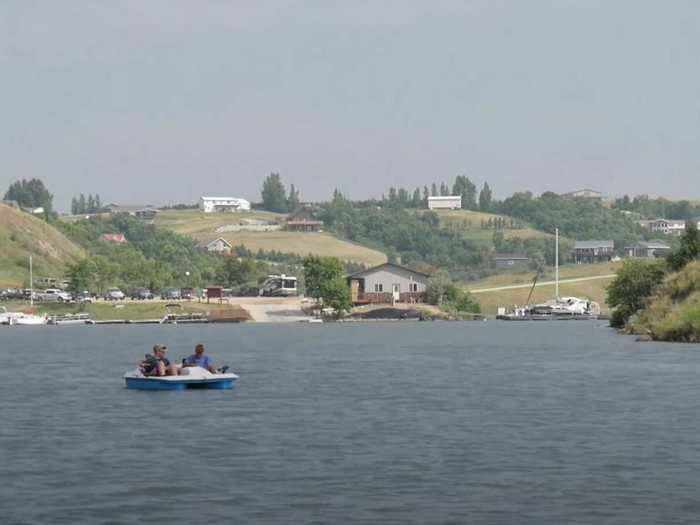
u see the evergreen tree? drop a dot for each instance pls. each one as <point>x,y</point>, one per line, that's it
<point>74,206</point>
<point>82,205</point>
<point>30,194</point>
<point>467,190</point>
<point>98,203</point>
<point>393,197</point>
<point>426,194</point>
<point>90,204</point>
<point>293,199</point>
<point>416,200</point>
<point>433,190</point>
<point>274,196</point>
<point>485,198</point>
<point>403,197</point>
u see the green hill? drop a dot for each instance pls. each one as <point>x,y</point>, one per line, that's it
<point>478,226</point>
<point>203,227</point>
<point>673,313</point>
<point>22,235</point>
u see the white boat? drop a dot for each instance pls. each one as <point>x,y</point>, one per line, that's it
<point>6,317</point>
<point>196,377</point>
<point>28,320</point>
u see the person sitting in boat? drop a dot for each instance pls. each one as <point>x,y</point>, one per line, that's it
<point>157,364</point>
<point>199,359</point>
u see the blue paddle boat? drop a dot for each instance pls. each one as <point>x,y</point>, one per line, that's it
<point>196,377</point>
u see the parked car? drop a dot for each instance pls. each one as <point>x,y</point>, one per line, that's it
<point>170,294</point>
<point>140,294</point>
<point>84,297</point>
<point>53,295</point>
<point>114,294</point>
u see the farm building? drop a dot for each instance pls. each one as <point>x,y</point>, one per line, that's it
<point>586,252</point>
<point>388,283</point>
<point>647,249</point>
<point>446,202</point>
<point>584,194</point>
<point>303,220</point>
<point>223,204</point>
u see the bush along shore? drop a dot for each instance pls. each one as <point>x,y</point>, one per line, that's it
<point>660,300</point>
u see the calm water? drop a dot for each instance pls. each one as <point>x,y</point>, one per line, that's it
<point>391,422</point>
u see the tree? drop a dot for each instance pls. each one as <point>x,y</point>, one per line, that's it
<point>426,194</point>
<point>82,205</point>
<point>467,190</point>
<point>74,206</point>
<point>324,281</point>
<point>293,201</point>
<point>485,198</point>
<point>31,194</point>
<point>433,190</point>
<point>416,200</point>
<point>98,203</point>
<point>81,276</point>
<point>274,196</point>
<point>688,251</point>
<point>632,286</point>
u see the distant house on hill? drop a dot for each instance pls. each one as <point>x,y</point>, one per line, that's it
<point>303,220</point>
<point>117,238</point>
<point>647,249</point>
<point>223,204</point>
<point>445,202</point>
<point>219,245</point>
<point>666,226</point>
<point>388,283</point>
<point>511,261</point>
<point>583,194</point>
<point>144,213</point>
<point>587,252</point>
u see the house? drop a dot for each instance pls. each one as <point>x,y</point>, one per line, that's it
<point>303,220</point>
<point>388,283</point>
<point>144,213</point>
<point>583,194</point>
<point>647,249</point>
<point>223,204</point>
<point>219,245</point>
<point>666,226</point>
<point>587,252</point>
<point>511,261</point>
<point>445,202</point>
<point>117,238</point>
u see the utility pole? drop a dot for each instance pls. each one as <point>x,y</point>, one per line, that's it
<point>556,263</point>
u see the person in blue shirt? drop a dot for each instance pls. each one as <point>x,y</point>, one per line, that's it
<point>199,359</point>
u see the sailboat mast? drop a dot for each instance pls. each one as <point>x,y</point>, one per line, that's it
<point>556,263</point>
<point>31,282</point>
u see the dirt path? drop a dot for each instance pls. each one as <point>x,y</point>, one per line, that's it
<point>543,283</point>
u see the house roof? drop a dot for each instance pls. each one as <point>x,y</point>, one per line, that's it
<point>653,245</point>
<point>394,265</point>
<point>444,197</point>
<point>583,245</point>
<point>510,256</point>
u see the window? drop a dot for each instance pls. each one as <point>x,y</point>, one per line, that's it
<point>378,287</point>
<point>412,287</point>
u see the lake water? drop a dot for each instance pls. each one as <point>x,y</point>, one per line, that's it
<point>494,422</point>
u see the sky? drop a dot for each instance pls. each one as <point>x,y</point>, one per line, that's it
<point>162,101</point>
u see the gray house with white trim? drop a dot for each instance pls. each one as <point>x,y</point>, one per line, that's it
<point>388,283</point>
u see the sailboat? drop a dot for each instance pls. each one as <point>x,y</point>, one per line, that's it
<point>558,307</point>
<point>24,318</point>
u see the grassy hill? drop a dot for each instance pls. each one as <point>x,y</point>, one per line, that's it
<point>469,223</point>
<point>673,313</point>
<point>592,289</point>
<point>22,235</point>
<point>202,227</point>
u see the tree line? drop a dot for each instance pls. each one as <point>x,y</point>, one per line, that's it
<point>81,205</point>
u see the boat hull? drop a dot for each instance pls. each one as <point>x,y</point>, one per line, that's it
<point>154,383</point>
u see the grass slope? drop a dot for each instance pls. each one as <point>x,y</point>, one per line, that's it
<point>22,235</point>
<point>202,227</point>
<point>469,223</point>
<point>673,313</point>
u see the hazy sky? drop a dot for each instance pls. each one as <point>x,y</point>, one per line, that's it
<point>157,101</point>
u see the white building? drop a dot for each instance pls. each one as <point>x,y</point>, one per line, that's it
<point>447,202</point>
<point>229,204</point>
<point>665,226</point>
